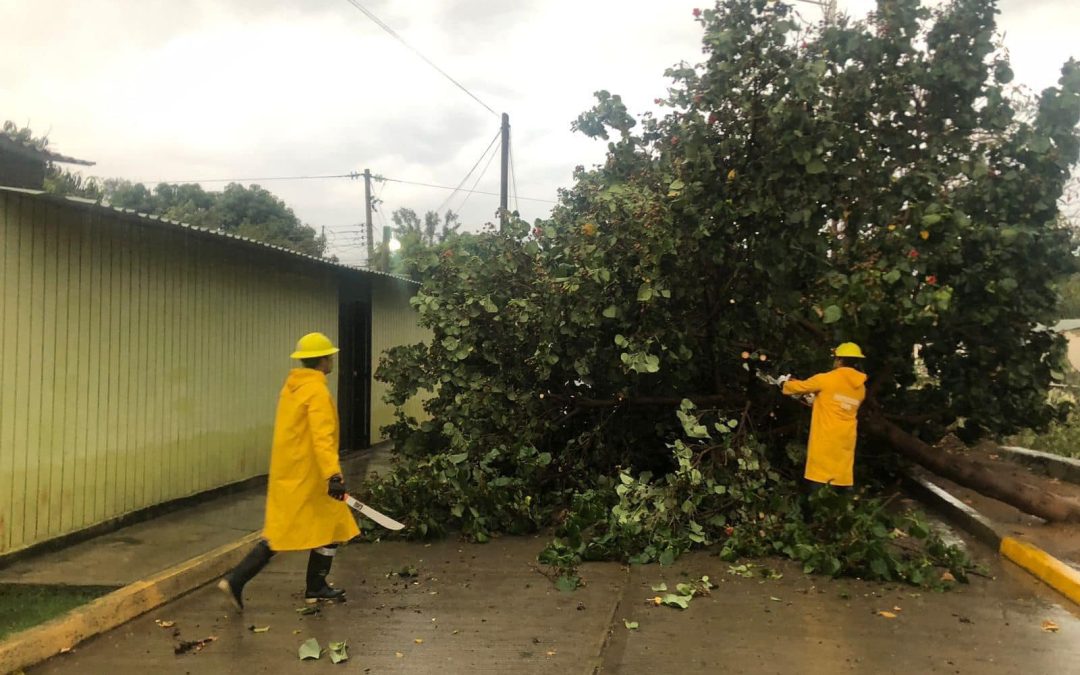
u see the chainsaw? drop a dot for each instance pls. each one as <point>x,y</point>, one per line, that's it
<point>805,399</point>
<point>379,518</point>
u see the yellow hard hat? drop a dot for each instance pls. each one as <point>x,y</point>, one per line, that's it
<point>849,350</point>
<point>314,345</point>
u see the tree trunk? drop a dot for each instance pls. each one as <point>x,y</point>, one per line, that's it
<point>1046,505</point>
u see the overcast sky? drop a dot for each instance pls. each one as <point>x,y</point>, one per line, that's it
<point>200,89</point>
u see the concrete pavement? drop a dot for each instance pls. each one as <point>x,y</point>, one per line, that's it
<point>486,609</point>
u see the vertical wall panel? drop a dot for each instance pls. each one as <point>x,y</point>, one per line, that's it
<point>393,322</point>
<point>138,363</point>
<point>9,306</point>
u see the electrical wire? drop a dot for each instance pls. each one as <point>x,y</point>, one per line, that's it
<point>478,160</point>
<point>513,177</point>
<point>378,22</point>
<point>479,192</point>
<point>478,179</point>
<point>251,180</point>
<point>352,175</point>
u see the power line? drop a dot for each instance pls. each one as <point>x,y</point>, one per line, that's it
<point>378,22</point>
<point>513,177</point>
<point>478,160</point>
<point>479,192</point>
<point>262,179</point>
<point>354,175</point>
<point>478,179</point>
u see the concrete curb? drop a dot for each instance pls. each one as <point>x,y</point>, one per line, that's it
<point>41,642</point>
<point>1055,573</point>
<point>1055,466</point>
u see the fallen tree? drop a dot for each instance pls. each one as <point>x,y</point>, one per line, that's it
<point>866,181</point>
<point>1046,505</point>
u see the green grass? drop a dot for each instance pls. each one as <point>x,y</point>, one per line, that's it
<point>26,605</point>
<point>1062,438</point>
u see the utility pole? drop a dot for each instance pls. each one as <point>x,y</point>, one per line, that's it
<point>370,232</point>
<point>504,177</point>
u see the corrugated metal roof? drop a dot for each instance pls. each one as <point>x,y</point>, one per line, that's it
<point>101,207</point>
<point>30,150</point>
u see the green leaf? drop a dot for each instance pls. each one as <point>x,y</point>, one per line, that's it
<point>673,600</point>
<point>458,458</point>
<point>676,185</point>
<point>644,292</point>
<point>832,314</point>
<point>339,652</point>
<point>309,649</point>
<point>611,311</point>
<point>815,166</point>
<point>660,587</point>
<point>630,625</point>
<point>667,557</point>
<point>892,276</point>
<point>567,583</point>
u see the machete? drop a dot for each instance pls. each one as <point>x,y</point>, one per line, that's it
<point>379,518</point>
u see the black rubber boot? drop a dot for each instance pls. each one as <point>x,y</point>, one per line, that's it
<point>233,583</point>
<point>319,562</point>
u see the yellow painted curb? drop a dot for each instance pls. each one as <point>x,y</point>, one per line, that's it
<point>1047,568</point>
<point>36,644</point>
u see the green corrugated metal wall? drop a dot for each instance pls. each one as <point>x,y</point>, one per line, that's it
<point>393,322</point>
<point>138,364</point>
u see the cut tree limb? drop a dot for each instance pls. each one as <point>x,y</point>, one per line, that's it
<point>1046,505</point>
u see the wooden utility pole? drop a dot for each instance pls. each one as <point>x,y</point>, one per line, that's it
<point>370,231</point>
<point>504,177</point>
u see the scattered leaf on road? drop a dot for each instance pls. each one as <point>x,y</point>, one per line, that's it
<point>775,599</point>
<point>297,631</point>
<point>165,624</point>
<point>258,629</point>
<point>419,641</point>
<point>947,577</point>
<point>455,632</point>
<point>673,600</point>
<point>310,609</point>
<point>897,609</point>
<point>886,614</point>
<point>660,587</point>
<point>551,652</point>
<point>186,646</point>
<point>567,583</point>
<point>1049,626</point>
<point>339,651</point>
<point>630,625</point>
<point>309,649</point>
<point>399,655</point>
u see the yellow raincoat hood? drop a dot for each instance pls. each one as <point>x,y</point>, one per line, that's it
<point>300,514</point>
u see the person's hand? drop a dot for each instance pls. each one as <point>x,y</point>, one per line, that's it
<point>782,379</point>
<point>336,487</point>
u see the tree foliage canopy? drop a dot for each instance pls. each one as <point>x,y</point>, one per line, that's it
<point>865,180</point>
<point>252,212</point>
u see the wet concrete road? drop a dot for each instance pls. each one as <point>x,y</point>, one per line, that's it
<point>486,609</point>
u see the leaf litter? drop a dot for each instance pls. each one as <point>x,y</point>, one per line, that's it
<point>310,649</point>
<point>193,646</point>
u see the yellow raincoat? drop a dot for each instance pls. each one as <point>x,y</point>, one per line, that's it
<point>300,514</point>
<point>830,454</point>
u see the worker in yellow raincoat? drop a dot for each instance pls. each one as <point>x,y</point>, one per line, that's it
<point>304,499</point>
<point>830,454</point>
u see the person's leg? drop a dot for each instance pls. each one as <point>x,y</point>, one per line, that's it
<point>319,562</point>
<point>233,583</point>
